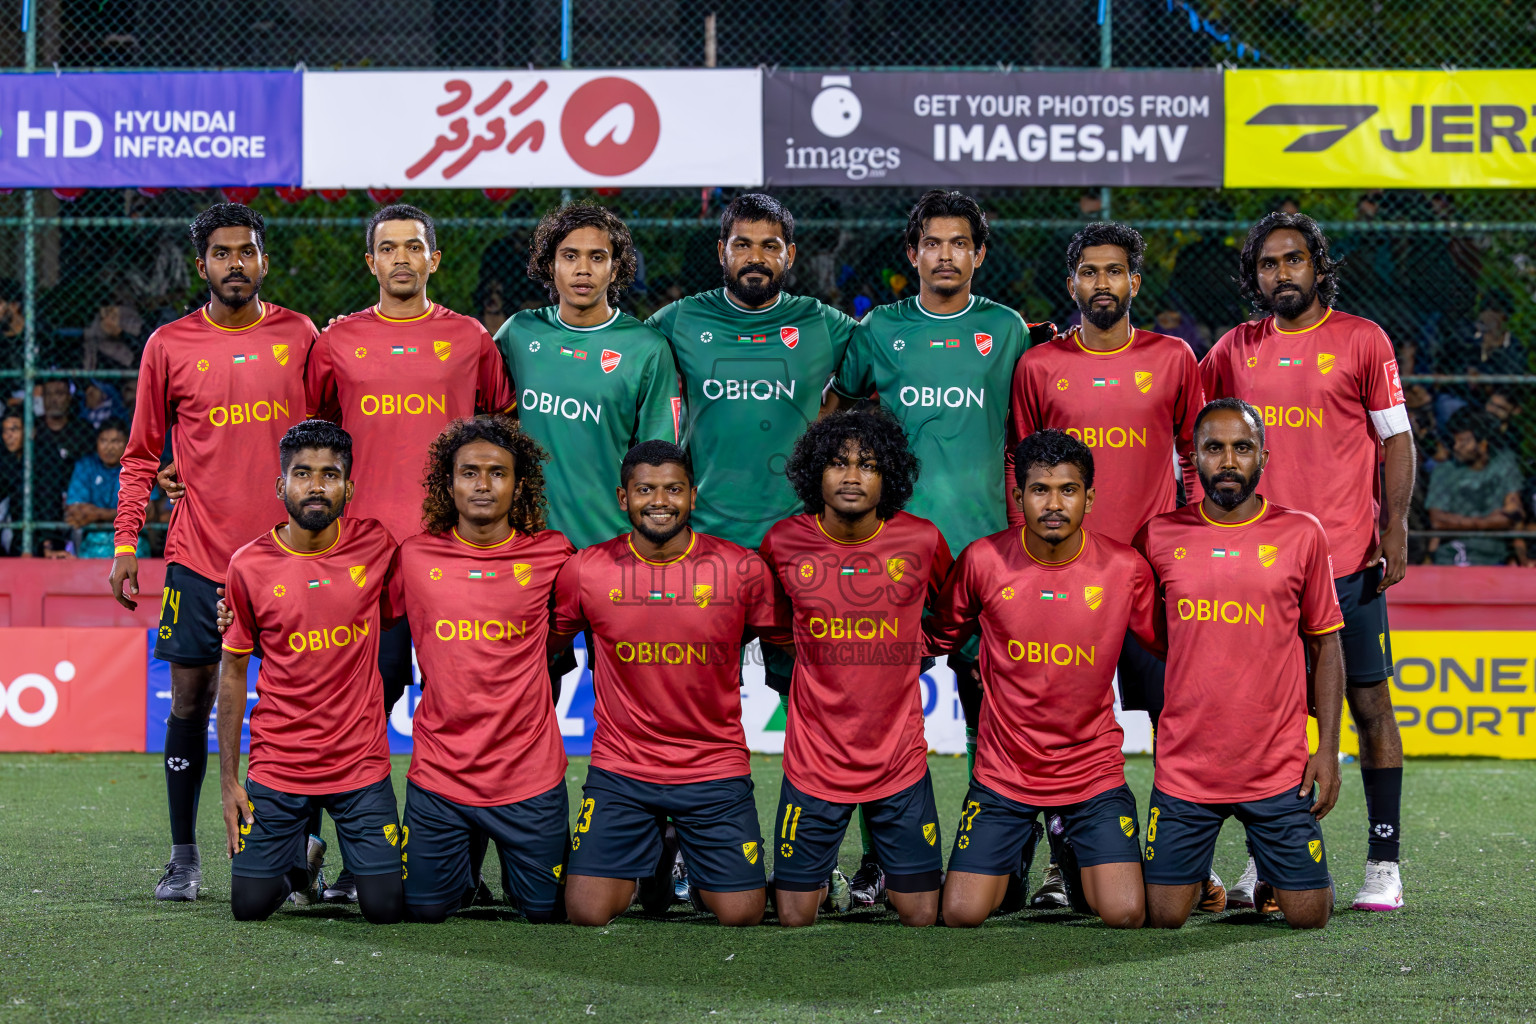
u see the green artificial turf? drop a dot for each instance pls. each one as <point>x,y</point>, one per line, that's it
<point>83,837</point>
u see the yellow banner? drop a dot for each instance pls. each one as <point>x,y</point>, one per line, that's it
<point>1412,129</point>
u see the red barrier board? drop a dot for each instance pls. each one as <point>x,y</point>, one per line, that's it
<point>72,689</point>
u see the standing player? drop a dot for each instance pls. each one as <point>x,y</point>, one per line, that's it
<point>488,754</point>
<point>1328,385</point>
<point>1251,617</point>
<point>1049,742</point>
<point>1131,396</point>
<point>668,609</point>
<point>594,381</point>
<point>305,596</point>
<point>230,378</point>
<point>859,572</point>
<point>754,363</point>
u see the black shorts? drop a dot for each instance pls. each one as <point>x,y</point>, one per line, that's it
<point>1366,638</point>
<point>993,830</point>
<point>366,825</point>
<point>395,663</point>
<point>189,627</point>
<point>1141,677</point>
<point>616,834</point>
<point>903,832</point>
<point>1284,838</point>
<point>530,837</point>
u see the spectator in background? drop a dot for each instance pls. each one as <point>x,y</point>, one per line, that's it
<point>101,402</point>
<point>10,478</point>
<point>90,504</point>
<point>13,322</point>
<point>1204,278</point>
<point>1477,491</point>
<point>1503,407</point>
<point>61,437</point>
<point>115,337</point>
<point>1490,349</point>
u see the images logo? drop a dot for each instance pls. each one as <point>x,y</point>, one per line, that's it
<point>836,111</point>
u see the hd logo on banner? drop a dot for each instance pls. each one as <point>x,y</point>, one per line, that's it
<point>1408,129</point>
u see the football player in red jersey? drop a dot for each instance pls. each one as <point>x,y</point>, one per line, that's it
<point>859,572</point>
<point>1328,387</point>
<point>230,376</point>
<point>1251,618</point>
<point>307,597</point>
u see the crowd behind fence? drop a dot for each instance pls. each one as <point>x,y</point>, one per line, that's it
<point>87,275</point>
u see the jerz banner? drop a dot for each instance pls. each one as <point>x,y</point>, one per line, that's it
<point>150,129</point>
<point>917,128</point>
<point>527,129</point>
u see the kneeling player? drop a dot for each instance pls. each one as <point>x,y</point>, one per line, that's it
<point>1048,741</point>
<point>1252,622</point>
<point>668,610</point>
<point>488,754</point>
<point>306,596</point>
<point>859,572</point>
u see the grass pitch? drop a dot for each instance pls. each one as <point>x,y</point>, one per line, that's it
<point>82,839</point>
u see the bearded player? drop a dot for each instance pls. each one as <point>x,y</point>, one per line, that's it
<point>488,756</point>
<point>1251,616</point>
<point>1328,385</point>
<point>859,572</point>
<point>1052,602</point>
<point>1132,396</point>
<point>669,609</point>
<point>943,363</point>
<point>230,377</point>
<point>305,597</point>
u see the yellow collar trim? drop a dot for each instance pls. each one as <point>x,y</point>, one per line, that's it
<point>309,554</point>
<point>482,547</point>
<point>692,541</point>
<point>1054,565</point>
<point>1275,324</point>
<point>1264,507</point>
<point>407,319</point>
<point>235,330</point>
<point>1077,336</point>
<point>849,543</point>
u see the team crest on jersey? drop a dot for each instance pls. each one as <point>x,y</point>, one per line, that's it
<point>556,869</point>
<point>392,833</point>
<point>280,353</point>
<point>749,851</point>
<point>202,366</point>
<point>790,336</point>
<point>360,351</point>
<point>435,573</point>
<point>1143,381</point>
<point>807,570</point>
<point>1267,554</point>
<point>931,833</point>
<point>359,574</point>
<point>1324,362</point>
<point>984,343</point>
<point>1381,638</point>
<point>1061,385</point>
<point>279,590</point>
<point>702,592</point>
<point>610,360</point>
<point>1315,848</point>
<point>894,568</point>
<point>615,595</point>
<point>522,572</point>
<point>1127,826</point>
<point>1093,597</point>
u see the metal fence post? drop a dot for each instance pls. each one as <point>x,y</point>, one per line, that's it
<point>1106,59</point>
<point>29,311</point>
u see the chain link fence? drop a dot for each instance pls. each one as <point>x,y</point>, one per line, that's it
<point>1451,275</point>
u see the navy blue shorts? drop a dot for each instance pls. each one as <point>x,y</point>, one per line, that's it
<point>993,830</point>
<point>903,832</point>
<point>1366,638</point>
<point>716,821</point>
<point>189,627</point>
<point>366,825</point>
<point>1284,838</point>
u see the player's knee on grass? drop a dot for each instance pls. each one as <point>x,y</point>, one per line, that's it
<point>593,901</point>
<point>428,913</point>
<point>381,898</point>
<point>797,908</point>
<point>970,898</point>
<point>1116,893</point>
<point>1169,906</point>
<point>915,909</point>
<point>256,899</point>
<point>736,909</point>
<point>1305,909</point>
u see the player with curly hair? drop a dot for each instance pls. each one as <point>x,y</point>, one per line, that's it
<point>859,572</point>
<point>488,758</point>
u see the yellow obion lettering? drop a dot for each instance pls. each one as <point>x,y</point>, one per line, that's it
<point>403,405</point>
<point>239,413</point>
<point>1110,437</point>
<point>479,629</point>
<point>327,637</point>
<point>863,628</point>
<point>1233,613</point>
<point>647,653</point>
<point>1043,652</point>
<point>1292,416</point>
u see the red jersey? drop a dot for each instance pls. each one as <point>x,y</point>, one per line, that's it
<point>394,385</point>
<point>1328,393</point>
<point>314,621</point>
<point>485,731</point>
<point>855,726</point>
<point>1236,599</point>
<point>231,395</point>
<point>1135,407</point>
<point>1051,634</point>
<point>667,672</point>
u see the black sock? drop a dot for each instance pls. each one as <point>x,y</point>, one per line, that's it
<point>1384,809</point>
<point>186,762</point>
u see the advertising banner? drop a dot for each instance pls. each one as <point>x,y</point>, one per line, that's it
<point>71,689</point>
<point>1407,129</point>
<point>150,129</point>
<point>919,128</point>
<point>531,129</point>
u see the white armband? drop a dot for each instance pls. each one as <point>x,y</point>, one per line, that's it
<point>1390,421</point>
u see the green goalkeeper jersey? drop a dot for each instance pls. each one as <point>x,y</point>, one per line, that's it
<point>752,383</point>
<point>587,394</point>
<point>948,379</point>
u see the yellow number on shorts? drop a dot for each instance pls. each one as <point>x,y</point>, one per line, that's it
<point>171,598</point>
<point>1152,829</point>
<point>584,816</point>
<point>972,808</point>
<point>791,821</point>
